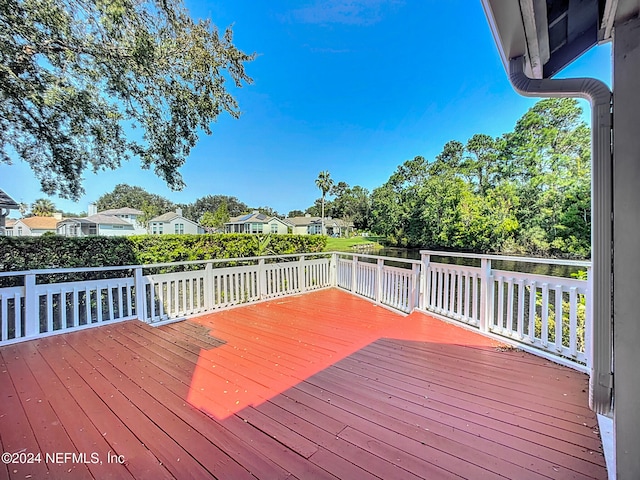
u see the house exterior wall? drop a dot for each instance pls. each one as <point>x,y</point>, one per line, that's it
<point>300,230</point>
<point>181,225</point>
<point>626,227</point>
<point>73,229</point>
<point>133,220</point>
<point>177,226</point>
<point>276,226</point>
<point>38,232</point>
<point>116,230</point>
<point>21,230</point>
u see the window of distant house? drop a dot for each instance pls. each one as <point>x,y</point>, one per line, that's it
<point>160,227</point>
<point>118,227</point>
<point>274,228</point>
<point>93,230</point>
<point>256,228</point>
<point>19,231</point>
<point>9,232</point>
<point>179,227</point>
<point>315,229</point>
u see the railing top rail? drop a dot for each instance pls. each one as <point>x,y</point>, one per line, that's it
<point>383,257</point>
<point>547,261</point>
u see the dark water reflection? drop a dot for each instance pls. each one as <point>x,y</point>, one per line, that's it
<point>524,267</point>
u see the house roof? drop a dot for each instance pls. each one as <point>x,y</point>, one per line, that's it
<point>7,202</point>
<point>75,220</point>
<point>40,223</point>
<point>254,217</point>
<point>170,216</point>
<point>122,211</point>
<point>553,33</point>
<point>341,222</point>
<point>102,219</point>
<point>10,222</point>
<point>165,217</point>
<point>301,221</point>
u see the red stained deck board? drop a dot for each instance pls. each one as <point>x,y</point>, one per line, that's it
<point>363,418</point>
<point>507,399</point>
<point>333,443</point>
<point>434,448</point>
<point>201,459</point>
<point>460,430</point>
<point>139,460</point>
<point>456,378</point>
<point>443,406</point>
<point>15,429</point>
<point>49,432</point>
<point>164,447</point>
<point>560,395</point>
<point>85,437</point>
<point>161,385</point>
<point>346,393</point>
<point>469,373</point>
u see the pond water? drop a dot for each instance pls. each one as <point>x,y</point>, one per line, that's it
<point>524,267</point>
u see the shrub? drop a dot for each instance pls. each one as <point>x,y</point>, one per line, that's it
<point>28,253</point>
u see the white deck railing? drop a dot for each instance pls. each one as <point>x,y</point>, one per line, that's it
<point>377,279</point>
<point>45,303</point>
<point>547,314</point>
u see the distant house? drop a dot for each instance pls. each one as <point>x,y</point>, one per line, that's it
<point>306,225</point>
<point>172,223</point>
<point>127,214</point>
<point>309,225</point>
<point>34,226</point>
<point>112,223</point>
<point>6,205</point>
<point>9,223</point>
<point>98,224</point>
<point>256,223</point>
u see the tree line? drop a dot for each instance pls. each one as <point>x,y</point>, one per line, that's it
<point>525,192</point>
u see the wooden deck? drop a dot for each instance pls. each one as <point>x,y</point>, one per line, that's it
<point>322,385</point>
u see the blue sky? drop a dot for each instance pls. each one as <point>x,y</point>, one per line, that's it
<point>355,87</point>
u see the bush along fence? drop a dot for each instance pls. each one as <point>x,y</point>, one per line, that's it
<point>549,315</point>
<point>34,253</point>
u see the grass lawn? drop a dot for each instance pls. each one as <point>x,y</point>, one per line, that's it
<point>346,244</point>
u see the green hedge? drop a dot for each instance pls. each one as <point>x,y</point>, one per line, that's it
<point>25,253</point>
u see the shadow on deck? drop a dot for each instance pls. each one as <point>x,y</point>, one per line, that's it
<point>321,385</point>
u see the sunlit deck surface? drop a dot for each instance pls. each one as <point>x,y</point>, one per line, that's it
<point>321,385</point>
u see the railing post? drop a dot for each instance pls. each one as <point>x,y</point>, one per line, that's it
<point>424,272</point>
<point>415,287</point>
<point>301,277</point>
<point>31,306</point>
<point>354,272</point>
<point>588,321</point>
<point>486,294</point>
<point>208,286</point>
<point>333,270</point>
<point>141,300</point>
<point>262,279</point>
<point>378,284</point>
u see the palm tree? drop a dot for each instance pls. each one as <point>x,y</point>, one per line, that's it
<point>43,207</point>
<point>324,183</point>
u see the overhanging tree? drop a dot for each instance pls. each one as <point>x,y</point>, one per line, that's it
<point>78,76</point>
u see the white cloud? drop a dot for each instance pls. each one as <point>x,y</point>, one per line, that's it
<point>348,12</point>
